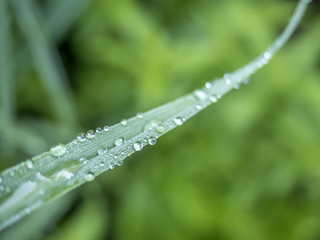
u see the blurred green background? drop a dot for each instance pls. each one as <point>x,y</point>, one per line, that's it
<point>246,168</point>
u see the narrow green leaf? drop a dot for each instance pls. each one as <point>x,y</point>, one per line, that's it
<point>62,14</point>
<point>34,182</point>
<point>46,59</point>
<point>6,81</point>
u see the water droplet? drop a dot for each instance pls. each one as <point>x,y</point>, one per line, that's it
<point>137,146</point>
<point>152,141</point>
<point>201,95</point>
<point>99,130</point>
<point>29,164</point>
<point>81,137</point>
<point>64,174</point>
<point>267,55</point>
<point>227,78</point>
<point>151,124</point>
<point>236,86</point>
<point>124,122</point>
<point>89,177</point>
<point>178,121</point>
<point>111,166</point>
<point>208,85</point>
<point>213,98</point>
<point>118,141</point>
<point>119,163</point>
<point>102,151</point>
<point>90,134</point>
<point>102,164</point>
<point>140,115</point>
<point>0,179</point>
<point>83,160</point>
<point>106,128</point>
<point>160,129</point>
<point>58,150</point>
<point>198,107</point>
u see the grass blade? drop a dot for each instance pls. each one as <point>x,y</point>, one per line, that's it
<point>62,14</point>
<point>6,80</point>
<point>46,60</point>
<point>30,184</point>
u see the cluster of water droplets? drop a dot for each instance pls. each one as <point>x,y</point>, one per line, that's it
<point>204,97</point>
<point>113,155</point>
<point>110,156</point>
<point>7,178</point>
<point>91,134</point>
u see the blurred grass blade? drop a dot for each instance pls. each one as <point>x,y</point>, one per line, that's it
<point>46,59</point>
<point>5,61</point>
<point>6,80</point>
<point>62,14</point>
<point>34,182</point>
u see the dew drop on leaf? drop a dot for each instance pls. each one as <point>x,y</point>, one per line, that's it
<point>81,137</point>
<point>139,115</point>
<point>99,130</point>
<point>90,134</point>
<point>137,146</point>
<point>58,150</point>
<point>102,151</point>
<point>236,86</point>
<point>198,107</point>
<point>178,121</point>
<point>83,160</point>
<point>64,174</point>
<point>208,85</point>
<point>160,129</point>
<point>152,141</point>
<point>89,177</point>
<point>199,94</point>
<point>118,141</point>
<point>213,98</point>
<point>267,55</point>
<point>151,124</point>
<point>124,122</point>
<point>29,164</point>
<point>227,78</point>
<point>119,163</point>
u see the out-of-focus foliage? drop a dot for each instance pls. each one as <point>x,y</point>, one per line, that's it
<point>246,168</point>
